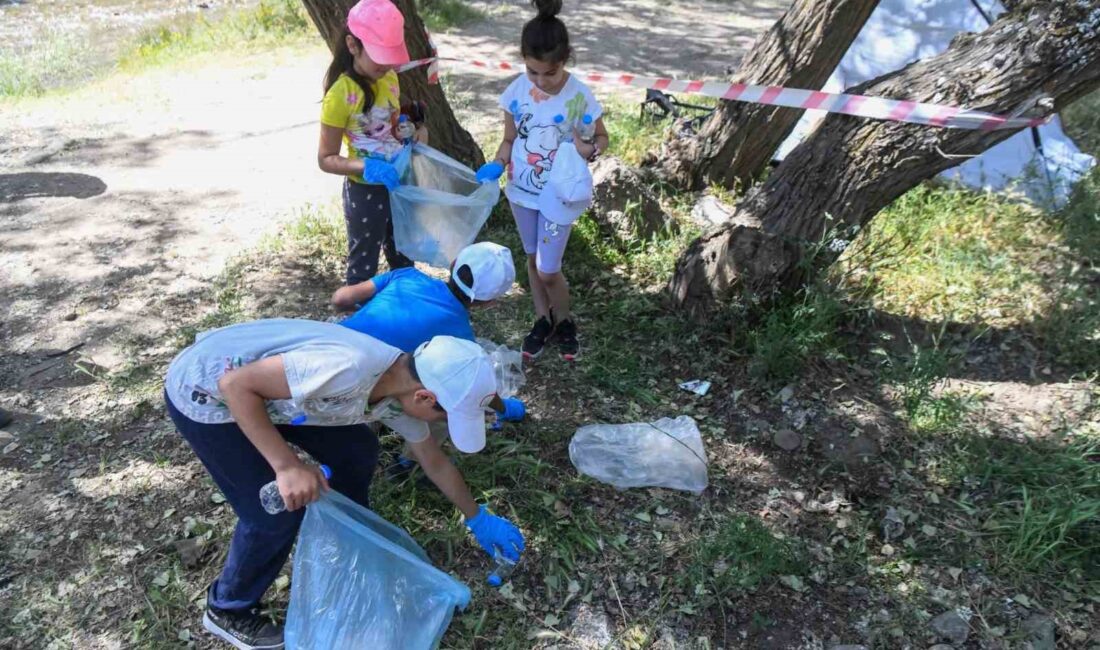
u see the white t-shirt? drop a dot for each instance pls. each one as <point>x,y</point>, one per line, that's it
<point>330,369</point>
<point>538,134</point>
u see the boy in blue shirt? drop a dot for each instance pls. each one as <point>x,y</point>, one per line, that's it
<point>406,307</point>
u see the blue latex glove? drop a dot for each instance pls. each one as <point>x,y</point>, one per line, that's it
<point>490,171</point>
<point>495,533</point>
<point>514,410</point>
<point>380,172</point>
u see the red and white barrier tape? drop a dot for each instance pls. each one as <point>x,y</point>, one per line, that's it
<point>879,108</point>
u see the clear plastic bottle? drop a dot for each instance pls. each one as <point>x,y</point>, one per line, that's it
<point>565,134</point>
<point>405,129</point>
<point>587,128</point>
<point>272,501</point>
<point>502,570</point>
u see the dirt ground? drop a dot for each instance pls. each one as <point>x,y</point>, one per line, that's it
<point>122,203</point>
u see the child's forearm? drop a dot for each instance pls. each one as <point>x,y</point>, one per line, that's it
<point>441,471</point>
<point>504,153</point>
<point>356,294</point>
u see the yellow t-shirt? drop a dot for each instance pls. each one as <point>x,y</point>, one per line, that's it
<point>367,133</point>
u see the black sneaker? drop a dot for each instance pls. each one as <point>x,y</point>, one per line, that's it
<point>565,336</point>
<point>536,340</point>
<point>247,630</point>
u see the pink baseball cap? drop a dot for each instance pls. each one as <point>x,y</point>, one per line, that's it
<point>381,28</point>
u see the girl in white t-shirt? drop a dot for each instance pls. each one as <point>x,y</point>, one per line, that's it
<point>543,108</point>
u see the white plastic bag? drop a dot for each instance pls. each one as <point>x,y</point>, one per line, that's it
<point>439,207</point>
<point>666,453</point>
<point>361,582</point>
<point>508,366</point>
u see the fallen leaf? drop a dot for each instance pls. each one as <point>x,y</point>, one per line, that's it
<point>217,497</point>
<point>643,516</point>
<point>161,580</point>
<point>955,572</point>
<point>929,530</point>
<point>551,620</point>
<point>1023,600</point>
<point>794,582</point>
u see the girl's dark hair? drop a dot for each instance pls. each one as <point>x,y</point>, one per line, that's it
<point>544,37</point>
<point>467,277</point>
<point>343,62</point>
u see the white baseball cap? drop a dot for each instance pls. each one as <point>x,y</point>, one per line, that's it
<point>461,375</point>
<point>492,268</point>
<point>568,189</point>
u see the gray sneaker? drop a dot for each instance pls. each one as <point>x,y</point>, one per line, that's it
<point>246,630</point>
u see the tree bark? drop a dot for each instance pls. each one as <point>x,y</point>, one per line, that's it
<point>446,134</point>
<point>736,143</point>
<point>1034,60</point>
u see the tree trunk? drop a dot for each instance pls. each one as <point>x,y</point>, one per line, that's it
<point>1032,61</point>
<point>446,134</point>
<point>801,50</point>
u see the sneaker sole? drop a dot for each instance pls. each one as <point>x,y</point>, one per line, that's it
<point>217,631</point>
<point>532,357</point>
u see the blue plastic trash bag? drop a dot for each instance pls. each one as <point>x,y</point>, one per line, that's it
<point>361,582</point>
<point>439,207</point>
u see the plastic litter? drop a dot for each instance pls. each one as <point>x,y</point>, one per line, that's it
<point>361,582</point>
<point>502,570</point>
<point>272,500</point>
<point>666,453</point>
<point>508,366</point>
<point>439,207</point>
<point>698,386</point>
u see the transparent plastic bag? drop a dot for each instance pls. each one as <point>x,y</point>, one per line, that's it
<point>439,207</point>
<point>508,366</point>
<point>361,582</point>
<point>666,453</point>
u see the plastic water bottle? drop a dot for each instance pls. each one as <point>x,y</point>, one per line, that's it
<point>564,132</point>
<point>272,501</point>
<point>502,569</point>
<point>587,128</point>
<point>405,129</point>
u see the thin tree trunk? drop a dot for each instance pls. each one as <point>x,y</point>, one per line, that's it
<point>800,50</point>
<point>445,133</point>
<point>1032,61</point>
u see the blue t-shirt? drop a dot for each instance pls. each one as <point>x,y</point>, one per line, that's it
<point>409,308</point>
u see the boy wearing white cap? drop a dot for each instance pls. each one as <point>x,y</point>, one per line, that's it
<point>241,393</point>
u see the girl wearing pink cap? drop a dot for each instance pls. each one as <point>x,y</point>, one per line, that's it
<point>361,108</point>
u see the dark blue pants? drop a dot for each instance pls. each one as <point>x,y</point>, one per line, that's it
<point>262,542</point>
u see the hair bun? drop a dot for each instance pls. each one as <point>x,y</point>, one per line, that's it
<point>547,8</point>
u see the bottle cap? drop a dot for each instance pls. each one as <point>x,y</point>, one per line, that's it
<point>493,580</point>
<point>587,119</point>
<point>326,471</point>
<point>559,118</point>
<point>298,419</point>
<point>403,118</point>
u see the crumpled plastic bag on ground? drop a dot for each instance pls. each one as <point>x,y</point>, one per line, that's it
<point>666,453</point>
<point>361,582</point>
<point>508,366</point>
<point>439,207</point>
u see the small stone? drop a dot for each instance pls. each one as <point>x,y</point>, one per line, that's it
<point>893,526</point>
<point>190,550</point>
<point>1040,632</point>
<point>952,627</point>
<point>787,440</point>
<point>786,394</point>
<point>71,316</point>
<point>590,629</point>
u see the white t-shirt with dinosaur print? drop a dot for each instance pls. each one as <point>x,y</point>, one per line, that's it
<point>539,132</point>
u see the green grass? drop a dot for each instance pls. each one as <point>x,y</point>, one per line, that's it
<point>741,555</point>
<point>57,59</point>
<point>940,254</point>
<point>442,15</point>
<point>794,333</point>
<point>1081,121</point>
<point>269,24</point>
<point>1041,501</point>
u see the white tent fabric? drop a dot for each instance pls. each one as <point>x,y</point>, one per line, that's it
<point>900,32</point>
